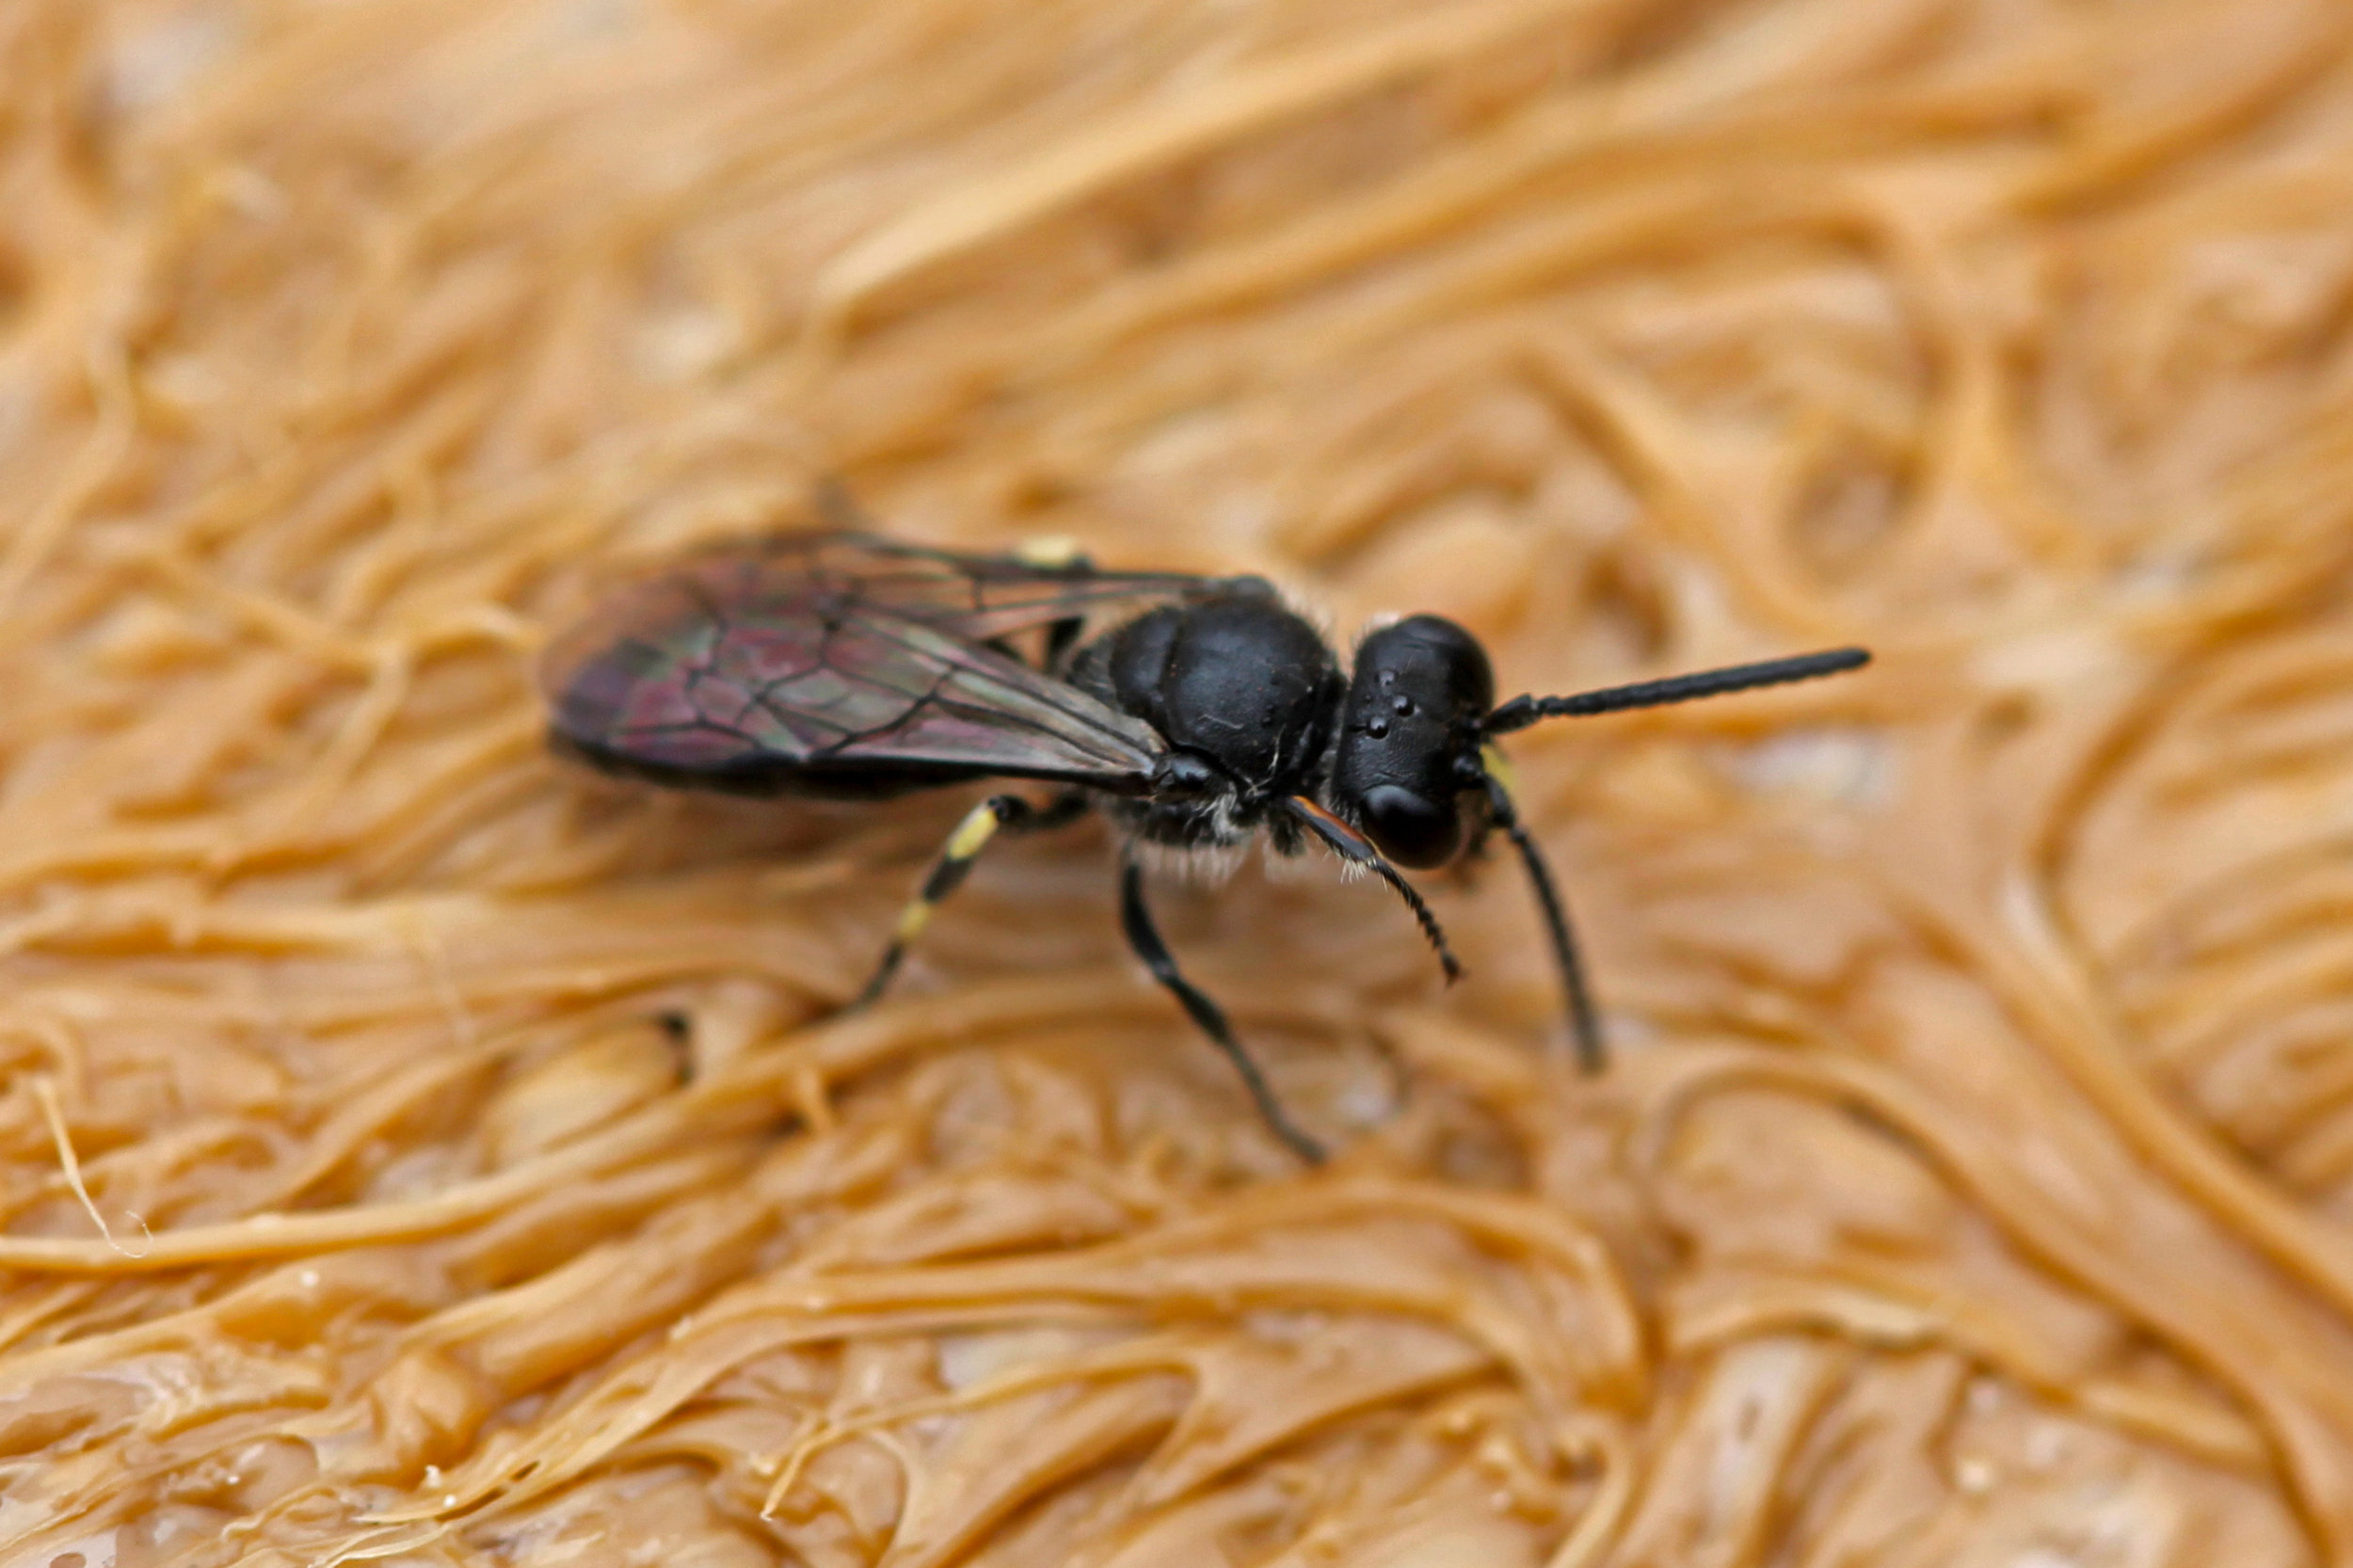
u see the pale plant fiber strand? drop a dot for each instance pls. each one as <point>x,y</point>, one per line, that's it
<point>1971,1184</point>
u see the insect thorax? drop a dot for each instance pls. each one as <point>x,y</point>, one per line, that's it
<point>1247,698</point>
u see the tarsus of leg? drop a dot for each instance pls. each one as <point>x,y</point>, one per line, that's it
<point>1583,1020</point>
<point>1136,921</point>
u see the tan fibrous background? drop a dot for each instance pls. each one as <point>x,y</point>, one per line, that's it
<point>1972,1185</point>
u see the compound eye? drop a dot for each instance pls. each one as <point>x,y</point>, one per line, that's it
<point>1411,830</point>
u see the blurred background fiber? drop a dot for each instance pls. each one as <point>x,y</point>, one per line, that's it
<point>415,1150</point>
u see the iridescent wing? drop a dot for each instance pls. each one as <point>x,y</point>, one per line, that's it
<point>842,662</point>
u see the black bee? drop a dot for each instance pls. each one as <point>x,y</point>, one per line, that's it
<point>847,666</point>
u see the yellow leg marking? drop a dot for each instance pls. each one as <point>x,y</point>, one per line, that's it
<point>1055,549</point>
<point>978,828</point>
<point>972,835</point>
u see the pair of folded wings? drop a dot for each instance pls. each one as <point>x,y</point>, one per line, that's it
<point>827,654</point>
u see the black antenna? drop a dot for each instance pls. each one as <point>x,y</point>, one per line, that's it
<point>1356,849</point>
<point>1583,1020</point>
<point>1521,711</point>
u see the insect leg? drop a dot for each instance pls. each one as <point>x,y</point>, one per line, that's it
<point>1061,638</point>
<point>1136,921</point>
<point>1354,848</point>
<point>1010,813</point>
<point>1583,1020</point>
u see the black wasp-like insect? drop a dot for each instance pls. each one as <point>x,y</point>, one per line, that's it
<point>1200,713</point>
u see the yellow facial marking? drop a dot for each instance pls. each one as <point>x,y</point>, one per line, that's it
<point>1499,767</point>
